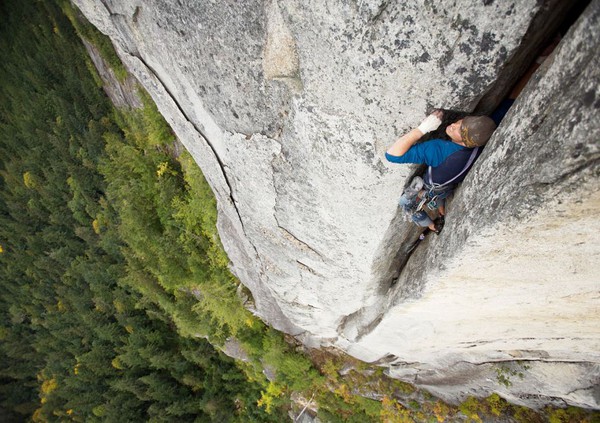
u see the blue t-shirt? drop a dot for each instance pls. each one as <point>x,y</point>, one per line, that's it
<point>451,168</point>
<point>432,153</point>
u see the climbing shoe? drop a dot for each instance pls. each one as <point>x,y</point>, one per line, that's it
<point>439,225</point>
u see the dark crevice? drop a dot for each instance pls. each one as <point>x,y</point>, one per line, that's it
<point>552,21</point>
<point>411,240</point>
<point>407,247</point>
<point>386,359</point>
<point>554,18</point>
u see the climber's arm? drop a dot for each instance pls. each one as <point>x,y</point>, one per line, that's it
<point>402,144</point>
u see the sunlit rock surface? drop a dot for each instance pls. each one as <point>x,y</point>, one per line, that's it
<point>288,107</point>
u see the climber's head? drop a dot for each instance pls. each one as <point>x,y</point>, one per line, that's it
<point>472,131</point>
<point>477,130</point>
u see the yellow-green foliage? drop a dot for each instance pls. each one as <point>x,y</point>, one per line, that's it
<point>48,386</point>
<point>159,131</point>
<point>30,180</point>
<point>471,408</point>
<point>167,216</point>
<point>293,369</point>
<point>393,412</point>
<point>196,214</point>
<point>496,404</point>
<point>330,371</point>
<point>270,397</point>
<point>525,415</point>
<point>372,408</point>
<point>441,411</point>
<point>204,205</point>
<point>90,33</point>
<point>99,410</point>
<point>571,415</point>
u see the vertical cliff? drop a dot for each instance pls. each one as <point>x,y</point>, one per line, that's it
<point>288,106</point>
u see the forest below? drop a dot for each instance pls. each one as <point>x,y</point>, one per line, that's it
<point>116,294</point>
<point>105,234</point>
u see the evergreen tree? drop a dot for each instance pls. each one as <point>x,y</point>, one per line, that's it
<point>97,285</point>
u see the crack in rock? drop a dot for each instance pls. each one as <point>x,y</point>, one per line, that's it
<point>308,269</point>
<point>222,166</point>
<point>208,142</point>
<point>303,245</point>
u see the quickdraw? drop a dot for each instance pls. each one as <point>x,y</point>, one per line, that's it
<point>429,200</point>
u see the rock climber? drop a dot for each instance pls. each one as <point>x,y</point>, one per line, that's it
<point>448,161</point>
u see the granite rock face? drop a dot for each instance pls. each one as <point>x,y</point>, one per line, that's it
<point>121,93</point>
<point>288,107</point>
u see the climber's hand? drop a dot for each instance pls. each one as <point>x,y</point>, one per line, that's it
<point>439,114</point>
<point>431,122</point>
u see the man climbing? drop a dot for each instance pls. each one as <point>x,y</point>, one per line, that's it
<point>448,162</point>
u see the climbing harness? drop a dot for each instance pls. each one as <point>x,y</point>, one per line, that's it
<point>433,193</point>
<point>437,187</point>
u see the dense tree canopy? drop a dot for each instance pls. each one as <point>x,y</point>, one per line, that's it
<point>95,285</point>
